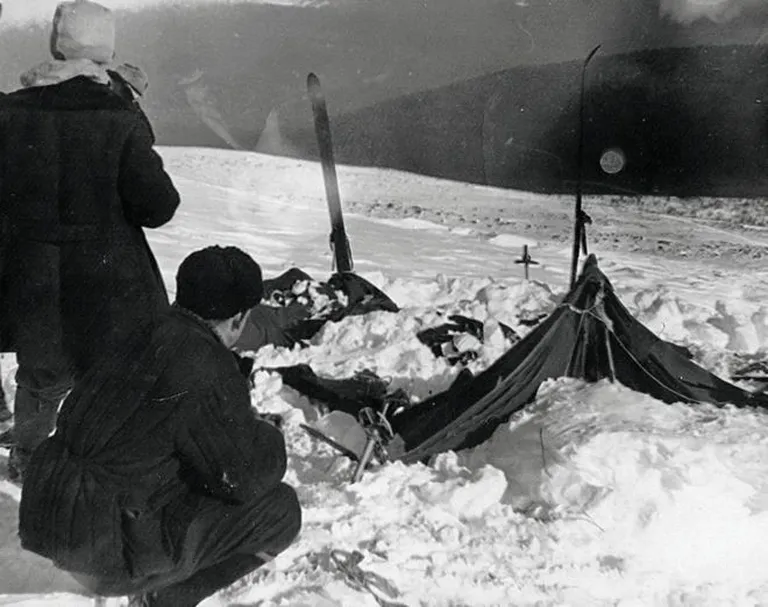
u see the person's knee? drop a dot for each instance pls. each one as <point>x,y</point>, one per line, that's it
<point>43,384</point>
<point>293,510</point>
<point>286,500</point>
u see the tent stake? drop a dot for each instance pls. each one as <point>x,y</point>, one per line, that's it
<point>526,260</point>
<point>580,218</point>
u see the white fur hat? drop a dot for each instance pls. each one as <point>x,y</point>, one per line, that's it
<point>83,30</point>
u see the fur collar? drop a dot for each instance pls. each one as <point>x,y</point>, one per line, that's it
<point>57,71</point>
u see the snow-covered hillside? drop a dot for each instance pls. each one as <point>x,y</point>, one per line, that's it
<point>595,495</point>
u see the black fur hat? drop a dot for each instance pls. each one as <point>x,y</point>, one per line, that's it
<point>217,283</point>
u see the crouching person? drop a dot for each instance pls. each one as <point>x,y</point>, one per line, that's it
<point>160,480</point>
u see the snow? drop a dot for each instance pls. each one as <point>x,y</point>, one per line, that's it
<point>594,495</point>
<point>512,241</point>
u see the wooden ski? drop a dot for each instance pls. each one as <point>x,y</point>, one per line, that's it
<point>342,252</point>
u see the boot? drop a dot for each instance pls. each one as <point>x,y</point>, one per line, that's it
<point>18,460</point>
<point>7,439</point>
<point>204,583</point>
<point>5,412</point>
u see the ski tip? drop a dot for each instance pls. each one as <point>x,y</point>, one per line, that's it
<point>312,79</point>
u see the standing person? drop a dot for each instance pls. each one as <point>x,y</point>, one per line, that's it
<point>5,413</point>
<point>161,480</point>
<point>80,181</point>
<point>130,82</point>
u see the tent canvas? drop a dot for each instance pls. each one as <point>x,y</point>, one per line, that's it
<point>590,335</point>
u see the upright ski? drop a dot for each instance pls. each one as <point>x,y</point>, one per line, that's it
<point>580,217</point>
<point>342,253</point>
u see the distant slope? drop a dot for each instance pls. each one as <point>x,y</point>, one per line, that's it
<point>689,121</point>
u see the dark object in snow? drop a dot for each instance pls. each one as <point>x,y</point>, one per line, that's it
<point>350,395</point>
<point>296,307</point>
<point>315,433</point>
<point>755,371</point>
<point>348,563</point>
<point>527,261</point>
<point>591,336</point>
<point>440,339</point>
<point>531,320</point>
<point>363,390</point>
<point>378,432</point>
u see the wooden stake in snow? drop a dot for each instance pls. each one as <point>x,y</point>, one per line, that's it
<point>526,260</point>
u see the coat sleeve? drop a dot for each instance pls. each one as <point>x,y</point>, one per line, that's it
<point>149,197</point>
<point>226,451</point>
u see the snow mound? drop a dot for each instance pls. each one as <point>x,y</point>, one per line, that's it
<point>728,326</point>
<point>512,241</point>
<point>671,489</point>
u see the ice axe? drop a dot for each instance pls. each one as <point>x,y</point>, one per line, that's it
<point>378,432</point>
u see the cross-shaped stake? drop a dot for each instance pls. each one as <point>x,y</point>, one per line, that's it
<point>526,260</point>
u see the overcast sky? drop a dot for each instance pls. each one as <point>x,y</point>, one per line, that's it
<point>21,11</point>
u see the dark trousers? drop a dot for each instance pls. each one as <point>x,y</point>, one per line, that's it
<point>5,412</point>
<point>39,392</point>
<point>222,544</point>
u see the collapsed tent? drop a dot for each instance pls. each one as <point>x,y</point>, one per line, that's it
<point>350,395</point>
<point>591,336</point>
<point>296,307</point>
<point>443,342</point>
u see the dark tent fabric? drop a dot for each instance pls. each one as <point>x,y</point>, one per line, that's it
<point>590,335</point>
<point>362,298</point>
<point>437,338</point>
<point>366,389</point>
<point>350,395</point>
<point>287,318</point>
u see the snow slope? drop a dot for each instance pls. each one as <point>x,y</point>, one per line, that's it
<point>595,495</point>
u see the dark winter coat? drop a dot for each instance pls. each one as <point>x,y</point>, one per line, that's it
<point>164,418</point>
<point>78,181</point>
